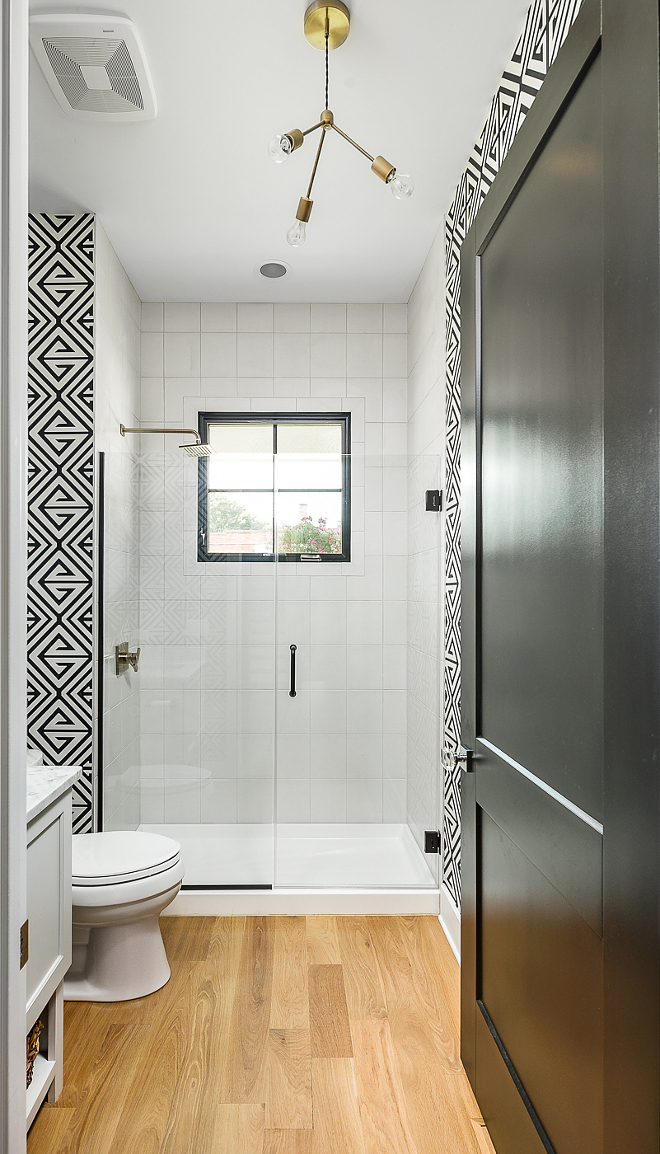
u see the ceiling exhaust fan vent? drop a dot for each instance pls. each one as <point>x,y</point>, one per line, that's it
<point>95,66</point>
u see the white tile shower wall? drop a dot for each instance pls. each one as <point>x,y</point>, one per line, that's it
<point>425,448</point>
<point>117,400</point>
<point>209,631</point>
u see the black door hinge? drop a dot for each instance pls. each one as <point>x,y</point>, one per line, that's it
<point>433,501</point>
<point>431,841</point>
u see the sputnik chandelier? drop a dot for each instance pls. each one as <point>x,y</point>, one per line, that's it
<point>327,25</point>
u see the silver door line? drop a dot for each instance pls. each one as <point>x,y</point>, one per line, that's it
<point>546,788</point>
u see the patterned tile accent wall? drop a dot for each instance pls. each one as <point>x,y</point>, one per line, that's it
<point>61,497</point>
<point>546,28</point>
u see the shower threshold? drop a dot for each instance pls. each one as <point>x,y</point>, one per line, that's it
<point>319,868</point>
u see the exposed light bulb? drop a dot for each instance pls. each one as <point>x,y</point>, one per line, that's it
<point>280,148</point>
<point>401,185</point>
<point>297,233</point>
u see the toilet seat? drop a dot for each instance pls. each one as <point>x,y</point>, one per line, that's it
<point>118,857</point>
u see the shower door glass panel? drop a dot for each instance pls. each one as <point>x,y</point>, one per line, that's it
<point>345,814</point>
<point>204,686</point>
<point>118,622</point>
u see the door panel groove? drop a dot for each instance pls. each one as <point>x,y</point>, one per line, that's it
<point>546,788</point>
<point>547,1144</point>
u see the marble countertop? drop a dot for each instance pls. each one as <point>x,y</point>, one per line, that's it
<point>45,783</point>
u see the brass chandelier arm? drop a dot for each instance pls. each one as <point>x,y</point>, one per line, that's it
<point>354,143</point>
<point>308,130</point>
<point>316,164</point>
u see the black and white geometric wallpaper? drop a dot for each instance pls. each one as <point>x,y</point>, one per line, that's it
<point>546,28</point>
<point>61,497</point>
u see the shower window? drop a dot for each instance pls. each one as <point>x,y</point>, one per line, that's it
<point>275,486</point>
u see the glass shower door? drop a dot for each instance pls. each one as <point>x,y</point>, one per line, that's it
<point>346,814</point>
<point>199,709</point>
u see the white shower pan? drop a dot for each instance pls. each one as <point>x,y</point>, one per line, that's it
<point>319,868</point>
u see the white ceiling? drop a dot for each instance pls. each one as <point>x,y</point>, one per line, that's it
<point>191,201</point>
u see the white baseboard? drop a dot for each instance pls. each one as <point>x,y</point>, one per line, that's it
<point>450,920</point>
<point>233,903</point>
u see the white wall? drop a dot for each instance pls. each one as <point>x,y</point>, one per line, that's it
<point>117,400</point>
<point>426,425</point>
<point>208,631</point>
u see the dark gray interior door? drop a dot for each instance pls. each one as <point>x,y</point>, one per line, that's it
<point>533,642</point>
<point>560,302</point>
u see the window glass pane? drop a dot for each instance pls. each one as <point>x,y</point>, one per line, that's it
<point>309,438</point>
<point>309,456</point>
<point>309,522</point>
<point>240,523</point>
<point>242,457</point>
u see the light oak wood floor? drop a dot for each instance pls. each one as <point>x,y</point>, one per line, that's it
<point>281,1035</point>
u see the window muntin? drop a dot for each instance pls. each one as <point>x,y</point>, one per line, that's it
<point>276,478</point>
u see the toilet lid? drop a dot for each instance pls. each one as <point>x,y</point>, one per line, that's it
<point>105,858</point>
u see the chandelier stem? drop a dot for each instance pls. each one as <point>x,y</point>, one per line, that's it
<point>313,129</point>
<point>316,164</point>
<point>353,142</point>
<point>327,36</point>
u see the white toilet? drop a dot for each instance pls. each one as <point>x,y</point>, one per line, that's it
<point>122,882</point>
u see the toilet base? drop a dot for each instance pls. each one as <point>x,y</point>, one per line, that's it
<point>120,963</point>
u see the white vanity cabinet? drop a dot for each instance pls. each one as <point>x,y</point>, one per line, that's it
<point>49,921</point>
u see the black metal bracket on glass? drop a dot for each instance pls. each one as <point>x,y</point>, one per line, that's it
<point>292,691</point>
<point>433,501</point>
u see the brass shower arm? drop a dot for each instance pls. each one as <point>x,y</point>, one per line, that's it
<point>123,429</point>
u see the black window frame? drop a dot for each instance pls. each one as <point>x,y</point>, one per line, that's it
<point>275,419</point>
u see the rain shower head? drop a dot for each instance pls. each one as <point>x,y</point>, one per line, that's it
<point>199,449</point>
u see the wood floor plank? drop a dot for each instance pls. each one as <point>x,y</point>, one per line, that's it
<point>85,1026</point>
<point>437,1093</point>
<point>434,964</point>
<point>222,967</point>
<point>337,1124</point>
<point>144,1113</point>
<point>364,991</point>
<point>322,943</point>
<point>289,1081</point>
<point>413,1003</point>
<point>288,1141</point>
<point>239,1129</point>
<point>439,1114</point>
<point>484,1142</point>
<point>250,1019</point>
<point>289,1007</point>
<point>93,1129</point>
<point>184,1117</point>
<point>48,1131</point>
<point>383,1111</point>
<point>330,1032</point>
<point>226,931</point>
<point>187,939</point>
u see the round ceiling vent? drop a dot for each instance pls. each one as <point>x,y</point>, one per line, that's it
<point>273,269</point>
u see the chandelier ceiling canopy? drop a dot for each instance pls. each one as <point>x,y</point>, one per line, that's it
<point>326,27</point>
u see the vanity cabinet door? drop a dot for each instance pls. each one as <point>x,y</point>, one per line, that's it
<point>48,904</point>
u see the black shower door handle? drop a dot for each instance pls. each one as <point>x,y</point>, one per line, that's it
<point>292,691</point>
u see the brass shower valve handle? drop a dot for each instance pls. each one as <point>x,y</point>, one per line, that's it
<point>123,658</point>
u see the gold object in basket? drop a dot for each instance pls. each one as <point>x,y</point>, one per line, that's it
<point>32,1050</point>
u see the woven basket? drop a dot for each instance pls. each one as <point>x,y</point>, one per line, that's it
<point>32,1050</point>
